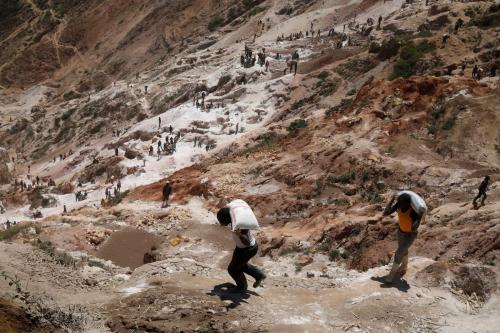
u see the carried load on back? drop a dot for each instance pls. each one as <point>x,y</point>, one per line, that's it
<point>242,216</point>
<point>417,203</point>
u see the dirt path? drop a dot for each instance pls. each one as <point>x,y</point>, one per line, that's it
<point>295,305</point>
<point>321,297</point>
<point>188,287</point>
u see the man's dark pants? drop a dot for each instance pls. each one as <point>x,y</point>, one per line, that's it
<point>239,266</point>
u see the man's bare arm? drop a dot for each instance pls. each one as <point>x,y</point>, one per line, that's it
<point>391,207</point>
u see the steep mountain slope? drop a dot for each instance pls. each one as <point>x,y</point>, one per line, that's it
<point>89,44</point>
<point>94,93</point>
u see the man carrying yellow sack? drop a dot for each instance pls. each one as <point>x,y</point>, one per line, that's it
<point>411,209</point>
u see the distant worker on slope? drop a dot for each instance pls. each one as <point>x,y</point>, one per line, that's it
<point>411,209</point>
<point>241,218</point>
<point>295,61</point>
<point>445,38</point>
<point>482,192</point>
<point>475,71</point>
<point>458,24</point>
<point>167,190</point>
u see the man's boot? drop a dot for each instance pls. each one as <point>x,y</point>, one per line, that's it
<point>403,267</point>
<point>393,274</point>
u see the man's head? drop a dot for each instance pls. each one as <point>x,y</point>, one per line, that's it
<point>487,179</point>
<point>223,216</point>
<point>404,202</point>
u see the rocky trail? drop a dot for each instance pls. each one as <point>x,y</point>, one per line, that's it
<point>299,295</point>
<point>317,155</point>
<point>317,297</point>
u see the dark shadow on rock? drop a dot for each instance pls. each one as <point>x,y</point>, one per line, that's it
<point>223,291</point>
<point>399,284</point>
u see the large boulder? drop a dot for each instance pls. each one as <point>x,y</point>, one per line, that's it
<point>131,154</point>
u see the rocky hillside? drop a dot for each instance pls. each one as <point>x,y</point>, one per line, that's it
<point>86,45</point>
<point>103,102</point>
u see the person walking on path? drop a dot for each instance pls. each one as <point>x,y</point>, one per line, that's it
<point>483,187</point>
<point>167,190</point>
<point>246,248</point>
<point>411,209</point>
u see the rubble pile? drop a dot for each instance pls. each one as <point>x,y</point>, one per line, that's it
<point>96,235</point>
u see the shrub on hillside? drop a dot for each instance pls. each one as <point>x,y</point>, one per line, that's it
<point>388,49</point>
<point>327,87</point>
<point>297,124</point>
<point>323,75</point>
<point>117,199</point>
<point>346,178</point>
<point>67,114</point>
<point>69,95</point>
<point>19,126</point>
<point>487,21</point>
<point>8,234</point>
<point>216,22</point>
<point>62,258</point>
<point>409,56</point>
<point>304,101</point>
<point>449,123</point>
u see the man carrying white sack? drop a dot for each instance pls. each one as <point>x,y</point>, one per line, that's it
<point>411,209</point>
<point>242,220</point>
